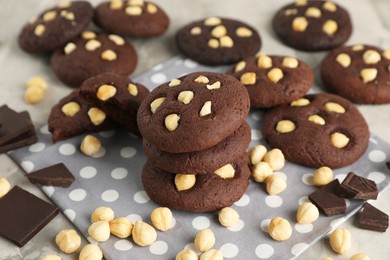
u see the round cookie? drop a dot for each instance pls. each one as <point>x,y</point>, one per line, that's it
<point>202,161</point>
<point>210,192</point>
<point>92,54</point>
<point>194,112</point>
<point>273,80</point>
<point>317,130</point>
<point>360,73</point>
<point>56,26</point>
<point>131,18</point>
<point>218,41</point>
<point>312,25</point>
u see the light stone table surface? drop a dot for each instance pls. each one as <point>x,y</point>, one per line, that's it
<point>371,22</point>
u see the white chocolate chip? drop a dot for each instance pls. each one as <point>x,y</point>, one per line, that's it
<point>330,27</point>
<point>108,55</point>
<point>96,115</point>
<point>88,35</point>
<point>121,227</point>
<point>186,254</point>
<point>225,172</point>
<point>215,85</point>
<point>339,140</point>
<point>257,153</point>
<point>202,79</point>
<point>174,82</point>
<point>248,78</point>
<point>275,159</point>
<point>196,30</point>
<point>243,32</point>
<point>371,57</point>
<point>212,254</point>
<point>240,66</point>
<point>290,62</point>
<point>316,119</point>
<point>313,12</point>
<point>162,218</point>
<point>133,10</point>
<point>212,21</point>
<point>275,75</point>
<point>116,39</point>
<point>116,4</point>
<point>285,126</point>
<point>219,31</point>
<point>50,257</point>
<point>99,230</point>
<point>91,252</point>
<point>289,12</point>
<point>172,122</point>
<point>69,48</point>
<point>344,60</point>
<point>368,74</point>
<point>204,240</point>
<point>307,213</point>
<point>68,241</point>
<point>39,30</point>
<point>299,24</point>
<point>213,43</point>
<point>70,108</point>
<point>300,2</point>
<point>64,4</point>
<point>92,45</point>
<point>300,102</point>
<point>226,42</point>
<point>358,47</point>
<point>264,61</point>
<point>334,107</point>
<point>322,176</point>
<point>37,82</point>
<point>386,54</point>
<point>340,240</point>
<point>49,16</point>
<point>186,97</point>
<point>359,256</point>
<point>105,92</point>
<point>206,109</point>
<point>102,213</point>
<point>279,229</point>
<point>143,234</point>
<point>90,145</point>
<point>132,89</point>
<point>275,184</point>
<point>228,217</point>
<point>151,8</point>
<point>261,171</point>
<point>156,104</point>
<point>184,181</point>
<point>135,2</point>
<point>5,187</point>
<point>330,6</point>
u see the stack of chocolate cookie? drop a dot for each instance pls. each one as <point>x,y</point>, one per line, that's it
<point>195,138</point>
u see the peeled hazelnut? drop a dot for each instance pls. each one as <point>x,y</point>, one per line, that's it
<point>39,30</point>
<point>215,85</point>
<point>99,230</point>
<point>212,254</point>
<point>133,10</point>
<point>92,45</point>
<point>330,27</point>
<point>70,109</point>
<point>37,82</point>
<point>285,126</point>
<point>334,107</point>
<point>326,258</point>
<point>69,47</point>
<point>186,97</point>
<point>279,229</point>
<point>206,109</point>
<point>68,241</point>
<point>91,252</point>
<point>371,57</point>
<point>228,217</point>
<point>339,140</point>
<point>299,24</point>
<point>368,74</point>
<point>257,153</point>
<point>184,181</point>
<point>108,55</point>
<point>290,62</point>
<point>67,15</point>
<point>156,104</point>
<point>225,172</point>
<point>358,47</point>
<point>313,12</point>
<point>212,21</point>
<point>226,41</point>
<point>202,79</point>
<point>186,254</point>
<point>135,2</point>
<point>243,32</point>
<point>34,95</point>
<point>261,171</point>
<point>322,176</point>
<point>300,102</point>
<point>275,75</point>
<point>49,16</point>
<point>307,213</point>
<point>275,159</point>
<point>386,54</point>
<point>64,4</point>
<point>359,256</point>
<point>174,82</point>
<point>219,31</point>
<point>248,78</point>
<point>204,240</point>
<point>344,60</point>
<point>264,61</point>
<point>162,218</point>
<point>5,187</point>
<point>275,184</point>
<point>51,257</point>
<point>330,6</point>
<point>316,119</point>
<point>96,115</point>
<point>118,40</point>
<point>143,234</point>
<point>240,66</point>
<point>196,30</point>
<point>105,92</point>
<point>340,240</point>
<point>172,122</point>
<point>133,90</point>
<point>301,2</point>
<point>151,8</point>
<point>213,43</point>
<point>121,227</point>
<point>88,35</point>
<point>102,213</point>
<point>90,145</point>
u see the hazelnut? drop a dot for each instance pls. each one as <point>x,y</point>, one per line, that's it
<point>313,12</point>
<point>301,2</point>
<point>186,254</point>
<point>289,12</point>
<point>105,92</point>
<point>5,187</point>
<point>212,254</point>
<point>88,35</point>
<point>240,66</point>
<point>116,4</point>
<point>339,140</point>
<point>368,74</point>
<point>186,97</point>
<point>275,184</point>
<point>228,217</point>
<point>340,240</point>
<point>316,119</point>
<point>386,54</point>
<point>330,27</point>
<point>261,171</point>
<point>67,15</point>
<point>68,241</point>
<point>359,256</point>
<point>300,102</point>
<point>275,159</point>
<point>248,78</point>
<point>257,153</point>
<point>206,109</point>
<point>219,31</point>
<point>92,45</point>
<point>39,30</point>
<point>143,234</point>
<point>91,252</point>
<point>326,258</point>
<point>371,57</point>
<point>71,108</point>
<point>121,227</point>
<point>285,126</point>
<point>204,240</point>
<point>136,2</point>
<point>64,4</point>
<point>33,19</point>
<point>174,82</point>
<point>118,40</point>
<point>90,145</point>
<point>344,60</point>
<point>69,47</point>
<point>279,229</point>
<point>133,90</point>
<point>162,218</point>
<point>264,61</point>
<point>133,10</point>
<point>243,32</point>
<point>156,104</point>
<point>334,107</point>
<point>99,230</point>
<point>151,8</point>
<point>96,115</point>
<point>322,176</point>
<point>225,172</point>
<point>299,24</point>
<point>51,257</point>
<point>172,122</point>
<point>358,47</point>
<point>212,21</point>
<point>108,55</point>
<point>196,30</point>
<point>37,82</point>
<point>275,75</point>
<point>33,95</point>
<point>226,41</point>
<point>184,181</point>
<point>102,213</point>
<point>49,16</point>
<point>215,85</point>
<point>330,6</point>
<point>202,79</point>
<point>290,62</point>
<point>213,43</point>
<point>307,213</point>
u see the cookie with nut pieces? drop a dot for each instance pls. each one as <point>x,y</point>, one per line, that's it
<point>72,117</point>
<point>317,130</point>
<point>273,80</point>
<point>118,96</point>
<point>312,25</point>
<point>360,73</point>
<point>56,26</point>
<point>218,41</point>
<point>136,18</point>
<point>92,54</point>
<point>193,112</point>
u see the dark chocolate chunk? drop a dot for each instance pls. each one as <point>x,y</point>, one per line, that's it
<point>357,187</point>
<point>373,219</point>
<point>388,165</point>
<point>23,215</point>
<point>326,200</point>
<point>13,124</point>
<point>55,175</point>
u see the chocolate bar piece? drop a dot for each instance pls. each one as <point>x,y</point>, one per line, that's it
<point>23,215</point>
<point>373,219</point>
<point>55,175</point>
<point>326,200</point>
<point>357,187</point>
<point>13,124</point>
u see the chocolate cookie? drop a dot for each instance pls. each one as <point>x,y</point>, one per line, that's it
<point>317,130</point>
<point>117,96</point>
<point>194,112</point>
<point>132,18</point>
<point>273,80</point>
<point>217,41</point>
<point>71,117</point>
<point>56,26</point>
<point>360,73</point>
<point>210,192</point>
<point>92,54</point>
<point>312,25</point>
<point>202,161</point>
